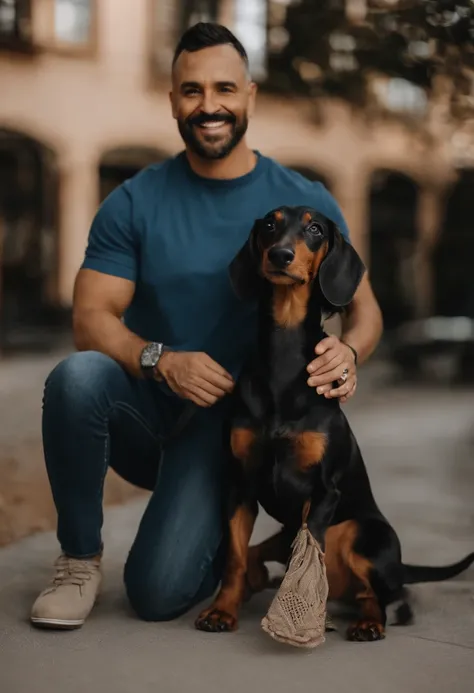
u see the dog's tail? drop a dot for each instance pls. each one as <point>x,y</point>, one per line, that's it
<point>413,574</point>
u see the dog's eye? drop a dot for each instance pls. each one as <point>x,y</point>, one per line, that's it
<point>270,226</point>
<point>315,229</point>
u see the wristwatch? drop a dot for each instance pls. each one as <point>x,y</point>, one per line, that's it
<point>149,358</point>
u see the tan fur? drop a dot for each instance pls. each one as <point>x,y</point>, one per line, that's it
<point>290,304</point>
<point>310,447</point>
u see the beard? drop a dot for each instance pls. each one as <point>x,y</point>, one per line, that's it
<point>209,145</point>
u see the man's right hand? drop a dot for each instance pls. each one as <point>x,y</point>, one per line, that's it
<point>195,376</point>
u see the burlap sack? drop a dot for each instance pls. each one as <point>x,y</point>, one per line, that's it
<point>297,614</point>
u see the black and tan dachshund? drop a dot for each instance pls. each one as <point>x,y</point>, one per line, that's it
<point>293,450</point>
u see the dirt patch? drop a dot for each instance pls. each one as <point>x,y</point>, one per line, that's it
<point>26,504</point>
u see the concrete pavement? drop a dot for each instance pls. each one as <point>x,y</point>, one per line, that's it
<point>419,448</point>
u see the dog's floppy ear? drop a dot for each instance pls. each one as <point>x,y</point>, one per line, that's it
<point>341,271</point>
<point>243,269</point>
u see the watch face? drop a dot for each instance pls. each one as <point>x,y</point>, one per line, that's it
<point>151,355</point>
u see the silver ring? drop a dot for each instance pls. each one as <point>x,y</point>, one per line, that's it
<point>344,375</point>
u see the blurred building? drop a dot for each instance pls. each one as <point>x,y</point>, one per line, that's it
<point>84,105</point>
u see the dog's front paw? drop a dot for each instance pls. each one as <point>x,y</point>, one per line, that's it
<point>366,631</point>
<point>216,621</point>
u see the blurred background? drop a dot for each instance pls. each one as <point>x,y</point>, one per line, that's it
<point>375,98</point>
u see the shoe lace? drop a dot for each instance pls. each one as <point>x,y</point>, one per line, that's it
<point>71,571</point>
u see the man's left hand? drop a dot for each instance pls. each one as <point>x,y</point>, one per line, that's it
<point>333,358</point>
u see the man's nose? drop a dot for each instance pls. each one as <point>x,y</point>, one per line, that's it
<point>281,257</point>
<point>209,104</point>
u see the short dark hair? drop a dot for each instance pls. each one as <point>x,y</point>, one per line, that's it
<point>206,35</point>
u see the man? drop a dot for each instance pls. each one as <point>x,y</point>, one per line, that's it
<point>154,274</point>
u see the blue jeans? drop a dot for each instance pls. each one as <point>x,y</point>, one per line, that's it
<point>95,415</point>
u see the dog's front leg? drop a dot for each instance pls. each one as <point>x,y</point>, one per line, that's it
<point>319,513</point>
<point>222,615</point>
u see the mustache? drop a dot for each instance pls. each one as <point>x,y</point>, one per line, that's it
<point>214,117</point>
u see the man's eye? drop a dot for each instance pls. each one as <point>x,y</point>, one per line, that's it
<point>191,92</point>
<point>315,229</point>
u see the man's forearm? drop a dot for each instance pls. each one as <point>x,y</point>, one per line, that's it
<point>100,330</point>
<point>362,324</point>
<point>361,335</point>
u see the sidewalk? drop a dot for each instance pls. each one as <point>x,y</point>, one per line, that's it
<point>419,448</point>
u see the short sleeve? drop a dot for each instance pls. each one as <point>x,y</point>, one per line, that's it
<point>330,208</point>
<point>112,246</point>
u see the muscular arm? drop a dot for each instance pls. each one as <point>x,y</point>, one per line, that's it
<point>362,323</point>
<point>99,302</point>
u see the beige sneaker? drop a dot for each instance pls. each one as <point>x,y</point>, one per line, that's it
<point>69,599</point>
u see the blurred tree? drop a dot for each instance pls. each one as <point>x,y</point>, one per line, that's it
<point>392,50</point>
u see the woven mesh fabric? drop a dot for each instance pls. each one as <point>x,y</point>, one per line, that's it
<point>297,614</point>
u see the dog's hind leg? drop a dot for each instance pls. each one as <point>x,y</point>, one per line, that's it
<point>276,548</point>
<point>371,551</point>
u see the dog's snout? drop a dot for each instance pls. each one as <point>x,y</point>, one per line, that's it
<point>281,257</point>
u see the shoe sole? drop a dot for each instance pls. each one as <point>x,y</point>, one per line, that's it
<point>56,623</point>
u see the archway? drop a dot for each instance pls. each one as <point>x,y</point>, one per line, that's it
<point>393,234</point>
<point>452,269</point>
<point>452,259</point>
<point>118,164</point>
<point>28,242</point>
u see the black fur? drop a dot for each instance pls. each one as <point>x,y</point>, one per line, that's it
<point>273,400</point>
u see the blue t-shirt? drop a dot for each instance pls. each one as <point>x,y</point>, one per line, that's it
<point>174,234</point>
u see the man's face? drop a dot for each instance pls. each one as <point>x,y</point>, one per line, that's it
<point>212,99</point>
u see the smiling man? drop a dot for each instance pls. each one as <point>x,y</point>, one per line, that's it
<point>161,339</point>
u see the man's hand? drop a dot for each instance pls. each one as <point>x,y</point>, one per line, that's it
<point>334,357</point>
<point>195,376</point>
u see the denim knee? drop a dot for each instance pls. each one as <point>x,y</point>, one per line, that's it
<point>163,595</point>
<point>78,378</point>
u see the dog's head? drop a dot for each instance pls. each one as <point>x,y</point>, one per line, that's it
<point>294,246</point>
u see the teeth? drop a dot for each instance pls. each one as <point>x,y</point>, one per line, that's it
<point>212,124</point>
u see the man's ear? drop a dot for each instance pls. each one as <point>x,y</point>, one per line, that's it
<point>341,271</point>
<point>243,269</point>
<point>252,98</point>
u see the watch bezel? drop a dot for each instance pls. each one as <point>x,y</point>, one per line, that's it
<point>147,351</point>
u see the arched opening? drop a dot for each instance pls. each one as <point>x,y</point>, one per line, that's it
<point>452,270</point>
<point>28,243</point>
<point>393,235</point>
<point>452,259</point>
<point>312,174</point>
<point>116,165</point>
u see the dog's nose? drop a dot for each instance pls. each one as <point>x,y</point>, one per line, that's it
<point>281,257</point>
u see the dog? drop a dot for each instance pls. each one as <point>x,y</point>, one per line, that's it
<point>293,450</point>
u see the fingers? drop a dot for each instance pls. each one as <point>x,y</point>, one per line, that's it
<point>216,367</point>
<point>344,398</point>
<point>326,363</point>
<point>326,379</point>
<point>209,385</point>
<point>200,397</point>
<point>223,383</point>
<point>325,344</point>
<point>345,391</point>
